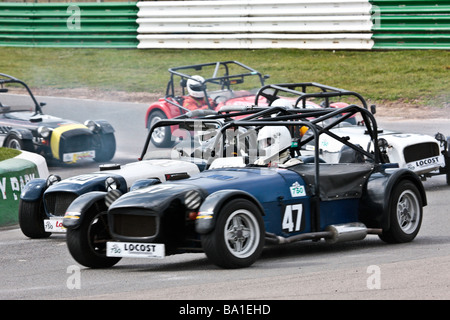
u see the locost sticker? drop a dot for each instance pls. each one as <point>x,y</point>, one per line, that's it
<point>135,250</point>
<point>54,226</point>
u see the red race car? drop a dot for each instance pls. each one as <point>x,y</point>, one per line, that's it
<point>204,86</point>
<point>229,85</point>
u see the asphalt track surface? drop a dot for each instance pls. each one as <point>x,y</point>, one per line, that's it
<point>361,270</point>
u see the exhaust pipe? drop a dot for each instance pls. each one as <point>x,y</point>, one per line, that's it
<point>332,234</point>
<point>346,232</point>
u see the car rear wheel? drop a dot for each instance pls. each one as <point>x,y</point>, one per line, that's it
<point>405,214</point>
<point>238,237</point>
<point>14,142</point>
<point>31,219</point>
<point>87,243</point>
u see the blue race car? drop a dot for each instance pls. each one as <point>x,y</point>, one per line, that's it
<point>258,190</point>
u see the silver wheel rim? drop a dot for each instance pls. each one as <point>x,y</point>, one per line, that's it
<point>408,211</point>
<point>241,233</point>
<point>159,133</point>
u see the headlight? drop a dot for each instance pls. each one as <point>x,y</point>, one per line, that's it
<point>52,179</point>
<point>44,132</point>
<point>92,125</point>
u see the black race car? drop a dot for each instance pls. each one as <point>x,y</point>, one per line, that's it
<point>28,128</point>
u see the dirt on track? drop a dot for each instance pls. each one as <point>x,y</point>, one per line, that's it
<point>385,109</point>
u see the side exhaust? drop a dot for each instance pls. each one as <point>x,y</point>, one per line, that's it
<point>332,234</point>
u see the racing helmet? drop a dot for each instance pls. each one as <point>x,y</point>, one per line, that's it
<point>272,140</point>
<point>281,102</point>
<point>196,87</point>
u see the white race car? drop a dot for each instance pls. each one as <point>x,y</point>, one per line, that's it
<point>427,156</point>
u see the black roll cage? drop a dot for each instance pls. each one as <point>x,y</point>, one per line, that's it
<point>271,93</point>
<point>192,117</point>
<point>299,117</point>
<point>225,80</point>
<point>10,79</point>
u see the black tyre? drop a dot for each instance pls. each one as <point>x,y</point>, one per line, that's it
<point>31,219</point>
<point>161,136</point>
<point>405,214</point>
<point>87,243</point>
<point>107,148</point>
<point>14,142</point>
<point>238,237</point>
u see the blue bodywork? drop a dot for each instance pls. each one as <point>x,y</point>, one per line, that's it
<point>275,191</point>
<point>37,188</point>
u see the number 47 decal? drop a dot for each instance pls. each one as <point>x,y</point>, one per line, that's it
<point>292,218</point>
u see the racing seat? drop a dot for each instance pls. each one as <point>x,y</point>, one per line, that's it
<point>350,155</point>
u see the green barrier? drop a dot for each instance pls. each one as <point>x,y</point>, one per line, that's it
<point>99,25</point>
<point>14,174</point>
<point>411,24</point>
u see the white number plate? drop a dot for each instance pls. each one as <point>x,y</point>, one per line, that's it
<point>54,226</point>
<point>74,157</point>
<point>135,250</point>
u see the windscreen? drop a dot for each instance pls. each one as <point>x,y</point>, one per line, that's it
<point>190,140</point>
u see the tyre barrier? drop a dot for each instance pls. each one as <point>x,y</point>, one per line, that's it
<point>14,174</point>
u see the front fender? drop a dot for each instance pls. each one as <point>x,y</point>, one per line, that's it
<point>34,189</point>
<point>77,210</point>
<point>105,126</point>
<point>375,210</point>
<point>210,208</point>
<point>23,134</point>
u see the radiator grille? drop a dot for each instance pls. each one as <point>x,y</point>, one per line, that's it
<point>76,141</point>
<point>131,225</point>
<point>421,151</point>
<point>57,203</point>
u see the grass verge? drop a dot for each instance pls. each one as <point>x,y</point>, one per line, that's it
<point>422,77</point>
<point>6,153</point>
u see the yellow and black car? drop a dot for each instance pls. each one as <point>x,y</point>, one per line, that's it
<point>54,138</point>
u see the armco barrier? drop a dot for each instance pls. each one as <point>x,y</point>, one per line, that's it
<point>230,24</point>
<point>100,25</point>
<point>254,24</point>
<point>14,174</point>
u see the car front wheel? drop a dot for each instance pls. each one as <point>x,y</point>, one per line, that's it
<point>238,237</point>
<point>87,243</point>
<point>107,148</point>
<point>31,219</point>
